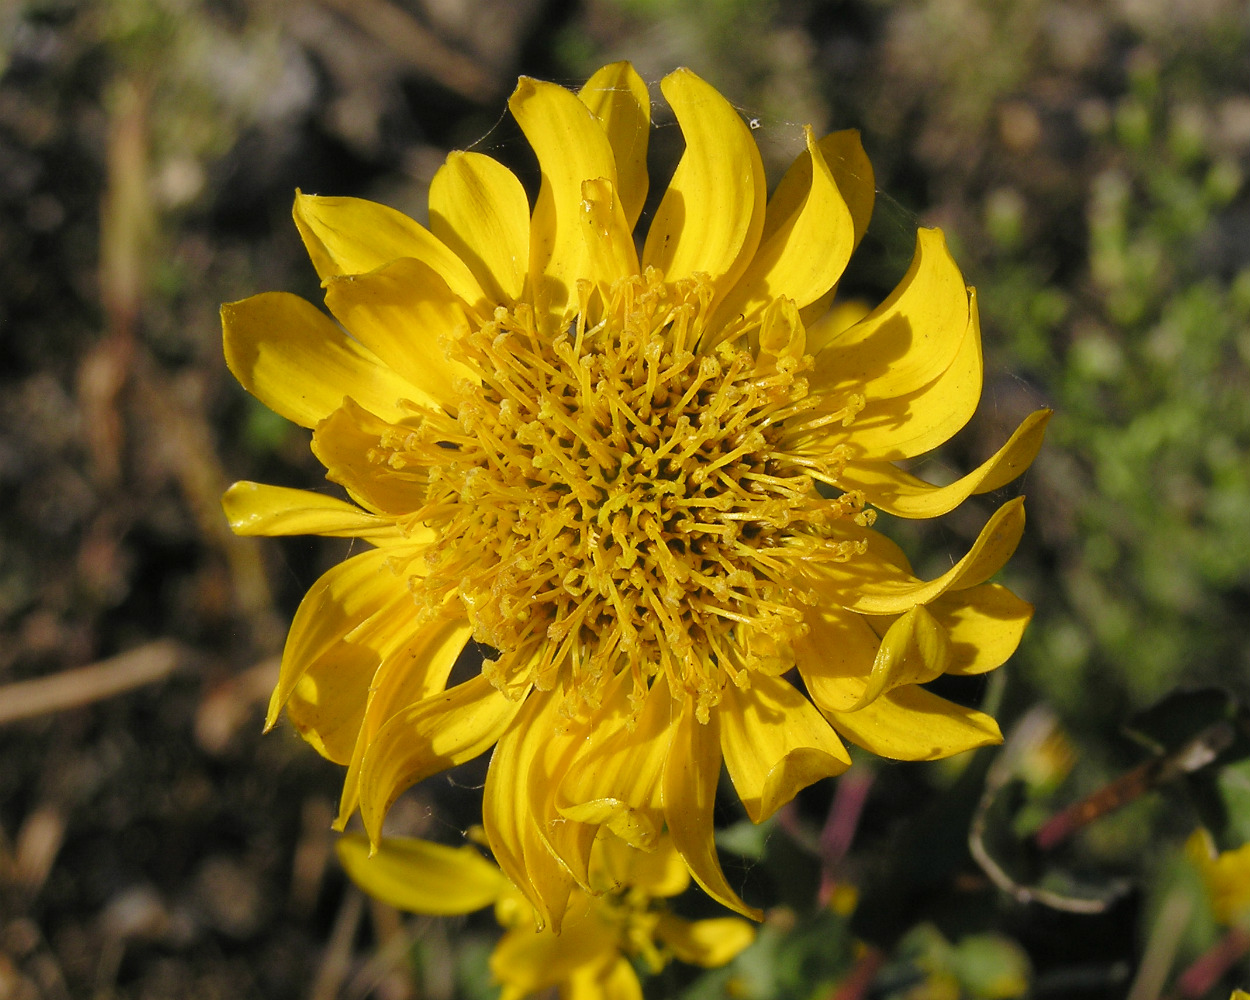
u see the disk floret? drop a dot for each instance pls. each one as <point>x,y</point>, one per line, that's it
<point>614,498</point>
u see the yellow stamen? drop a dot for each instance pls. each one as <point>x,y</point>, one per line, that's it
<point>610,500</point>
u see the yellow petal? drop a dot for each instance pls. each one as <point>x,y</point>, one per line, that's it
<point>659,873</point>
<point>1226,876</point>
<point>638,825</point>
<point>571,147</point>
<point>346,596</point>
<point>619,99</point>
<point>905,426</point>
<point>708,943</point>
<point>348,444</point>
<point>836,656</point>
<point>806,243</point>
<point>615,780</point>
<point>433,735</point>
<point>908,340</point>
<point>293,358</point>
<point>615,980</point>
<point>712,214</point>
<point>985,625</point>
<point>609,246</point>
<point>525,962</point>
<point>775,743</point>
<point>421,877</point>
<point>781,335</point>
<point>910,723</point>
<point>894,491</point>
<point>406,315</point>
<point>875,587</point>
<point>354,236</point>
<point>896,427</point>
<point>512,828</point>
<point>327,703</point>
<point>914,650</point>
<point>840,316</point>
<point>571,841</point>
<point>852,170</point>
<point>412,669</point>
<point>688,789</point>
<point>259,509</point>
<point>479,210</point>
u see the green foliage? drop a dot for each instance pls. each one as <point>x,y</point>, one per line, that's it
<point>1151,390</point>
<point>978,967</point>
<point>784,963</point>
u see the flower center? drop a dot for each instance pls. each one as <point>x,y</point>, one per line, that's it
<point>613,499</point>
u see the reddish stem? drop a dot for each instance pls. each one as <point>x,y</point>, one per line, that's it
<point>1209,968</point>
<point>855,986</point>
<point>1110,797</point>
<point>840,826</point>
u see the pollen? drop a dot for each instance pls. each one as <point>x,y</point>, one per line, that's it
<point>614,499</point>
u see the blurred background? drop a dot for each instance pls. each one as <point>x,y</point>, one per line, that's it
<point>1088,160</point>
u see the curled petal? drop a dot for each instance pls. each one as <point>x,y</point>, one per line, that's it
<point>708,943</point>
<point>688,790</point>
<point>888,428</point>
<point>852,170</point>
<point>910,723</point>
<point>405,314</point>
<point>414,668</point>
<point>327,703</point>
<point>513,830</point>
<point>909,425</point>
<point>344,598</point>
<point>293,358</point>
<point>894,491</point>
<point>571,147</point>
<point>836,656</point>
<point>355,236</point>
<point>619,99</point>
<point>879,587</point>
<point>844,154</point>
<point>609,247</point>
<point>433,735</point>
<point>906,341</point>
<point>421,877</point>
<point>259,509</point>
<point>712,214</point>
<point>985,625</point>
<point>479,210</point>
<point>807,211</point>
<point>775,743</point>
<point>616,779</point>
<point>347,443</point>
<point>568,840</point>
<point>915,649</point>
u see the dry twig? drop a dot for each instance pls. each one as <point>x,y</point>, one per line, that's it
<point>74,688</point>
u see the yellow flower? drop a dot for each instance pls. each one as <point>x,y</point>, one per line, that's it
<point>589,958</point>
<point>645,482</point>
<point>1226,875</point>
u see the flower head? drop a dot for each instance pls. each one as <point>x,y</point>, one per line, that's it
<point>645,482</point>
<point>590,958</point>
